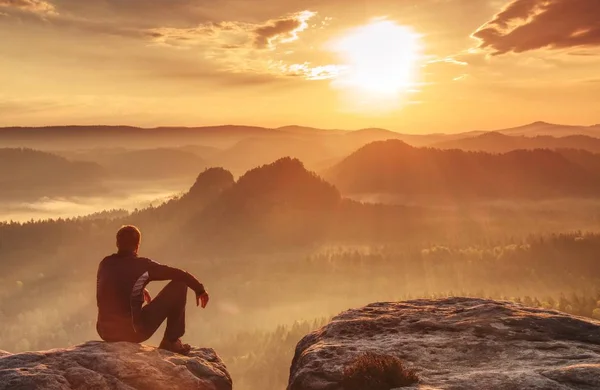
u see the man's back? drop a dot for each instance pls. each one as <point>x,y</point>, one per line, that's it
<point>120,285</point>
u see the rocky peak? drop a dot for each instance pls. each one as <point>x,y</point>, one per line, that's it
<point>104,366</point>
<point>457,343</point>
<point>211,182</point>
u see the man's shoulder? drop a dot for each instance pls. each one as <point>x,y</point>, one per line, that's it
<point>117,258</point>
<point>144,260</point>
<point>108,258</point>
<point>118,263</point>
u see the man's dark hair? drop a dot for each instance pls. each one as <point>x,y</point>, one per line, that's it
<point>128,238</point>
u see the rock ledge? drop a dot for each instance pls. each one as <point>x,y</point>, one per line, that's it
<point>457,343</point>
<point>122,366</point>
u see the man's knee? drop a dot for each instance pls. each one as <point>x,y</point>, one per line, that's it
<point>178,288</point>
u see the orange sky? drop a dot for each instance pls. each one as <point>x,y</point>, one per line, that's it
<point>411,66</point>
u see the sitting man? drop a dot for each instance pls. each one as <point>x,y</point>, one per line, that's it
<point>121,282</point>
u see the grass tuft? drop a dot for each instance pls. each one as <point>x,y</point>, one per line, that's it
<point>371,371</point>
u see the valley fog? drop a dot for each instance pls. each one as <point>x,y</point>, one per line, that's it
<point>125,197</point>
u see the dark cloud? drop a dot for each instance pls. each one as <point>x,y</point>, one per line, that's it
<point>35,6</point>
<point>281,30</point>
<point>284,27</point>
<point>526,25</point>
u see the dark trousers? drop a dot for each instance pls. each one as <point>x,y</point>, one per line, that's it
<point>169,304</point>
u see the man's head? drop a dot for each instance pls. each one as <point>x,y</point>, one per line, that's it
<point>128,239</point>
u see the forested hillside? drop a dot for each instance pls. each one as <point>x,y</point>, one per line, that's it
<point>397,168</point>
<point>24,172</point>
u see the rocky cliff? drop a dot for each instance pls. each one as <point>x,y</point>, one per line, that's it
<point>122,366</point>
<point>457,343</point>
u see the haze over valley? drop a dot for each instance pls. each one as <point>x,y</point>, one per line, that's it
<point>76,170</point>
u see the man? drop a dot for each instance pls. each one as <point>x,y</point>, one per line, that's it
<point>121,282</point>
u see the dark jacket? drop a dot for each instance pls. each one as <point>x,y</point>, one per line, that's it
<point>120,285</point>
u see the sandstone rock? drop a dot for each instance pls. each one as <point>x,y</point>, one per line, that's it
<point>457,343</point>
<point>121,366</point>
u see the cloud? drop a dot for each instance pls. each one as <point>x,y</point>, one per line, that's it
<point>525,25</point>
<point>444,70</point>
<point>448,60</point>
<point>309,72</point>
<point>282,30</point>
<point>242,47</point>
<point>227,35</point>
<point>34,6</point>
<point>235,35</point>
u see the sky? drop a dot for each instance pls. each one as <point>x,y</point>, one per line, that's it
<point>406,65</point>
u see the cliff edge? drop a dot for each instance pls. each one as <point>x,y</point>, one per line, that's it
<point>456,343</point>
<point>122,366</point>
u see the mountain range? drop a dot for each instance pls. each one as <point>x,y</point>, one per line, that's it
<point>394,167</point>
<point>227,135</point>
<point>241,148</point>
<point>361,161</point>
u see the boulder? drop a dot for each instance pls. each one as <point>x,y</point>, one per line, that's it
<point>121,366</point>
<point>457,343</point>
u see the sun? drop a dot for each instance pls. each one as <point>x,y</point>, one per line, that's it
<point>380,63</point>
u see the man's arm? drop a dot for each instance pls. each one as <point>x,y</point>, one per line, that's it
<point>157,271</point>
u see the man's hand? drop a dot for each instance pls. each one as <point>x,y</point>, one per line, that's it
<point>202,299</point>
<point>147,296</point>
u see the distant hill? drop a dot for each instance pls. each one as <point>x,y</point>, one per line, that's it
<point>544,128</point>
<point>394,167</point>
<point>209,185</point>
<point>496,142</point>
<point>26,173</point>
<point>283,185</point>
<point>273,205</point>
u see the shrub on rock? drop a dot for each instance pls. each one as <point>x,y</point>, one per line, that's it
<point>377,372</point>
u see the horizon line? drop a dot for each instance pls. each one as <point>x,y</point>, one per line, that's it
<point>280,128</point>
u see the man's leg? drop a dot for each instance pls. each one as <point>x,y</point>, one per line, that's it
<point>169,304</point>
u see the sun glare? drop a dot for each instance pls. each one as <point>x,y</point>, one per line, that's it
<point>380,63</point>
